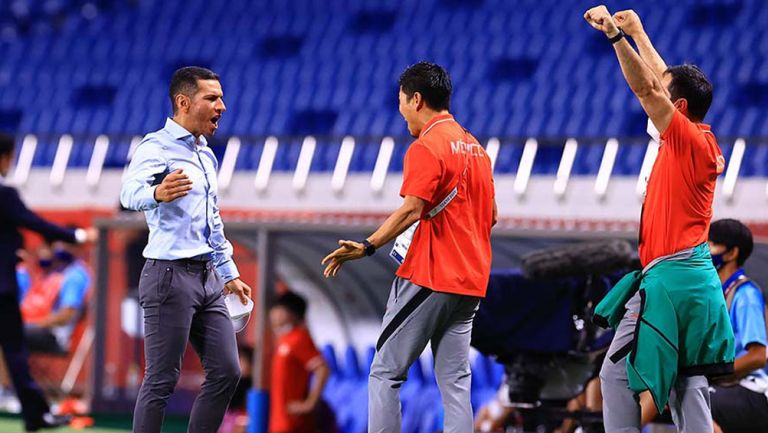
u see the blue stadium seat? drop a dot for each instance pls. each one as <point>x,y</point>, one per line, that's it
<point>81,154</point>
<point>325,157</point>
<point>304,70</point>
<point>287,155</point>
<point>588,159</point>
<point>629,158</point>
<point>45,152</point>
<point>117,153</point>
<point>755,161</point>
<point>508,158</point>
<point>548,157</point>
<point>364,157</point>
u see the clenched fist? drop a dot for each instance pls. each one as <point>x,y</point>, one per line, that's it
<point>599,18</point>
<point>629,22</point>
<point>175,185</point>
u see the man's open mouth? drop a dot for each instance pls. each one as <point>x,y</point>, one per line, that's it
<point>215,121</point>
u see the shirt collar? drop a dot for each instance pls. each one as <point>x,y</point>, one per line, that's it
<point>732,279</point>
<point>433,121</point>
<point>179,133</point>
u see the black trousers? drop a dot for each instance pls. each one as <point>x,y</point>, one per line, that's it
<point>14,344</point>
<point>182,301</point>
<point>738,410</point>
<point>42,340</point>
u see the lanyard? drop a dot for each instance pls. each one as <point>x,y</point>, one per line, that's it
<point>736,283</point>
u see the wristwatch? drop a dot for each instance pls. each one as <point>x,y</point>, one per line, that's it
<point>368,247</point>
<point>618,37</point>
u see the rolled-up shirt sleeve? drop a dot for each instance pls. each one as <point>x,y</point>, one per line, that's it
<point>138,192</point>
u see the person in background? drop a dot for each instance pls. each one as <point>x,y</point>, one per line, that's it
<point>14,215</point>
<point>292,401</point>
<point>54,303</point>
<point>740,406</point>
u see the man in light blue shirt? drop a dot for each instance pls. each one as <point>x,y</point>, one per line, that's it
<point>172,178</point>
<point>740,406</point>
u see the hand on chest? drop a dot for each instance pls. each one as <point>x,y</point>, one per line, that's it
<point>199,167</point>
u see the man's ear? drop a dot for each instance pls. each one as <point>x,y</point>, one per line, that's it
<point>682,106</point>
<point>731,255</point>
<point>182,102</point>
<point>418,100</point>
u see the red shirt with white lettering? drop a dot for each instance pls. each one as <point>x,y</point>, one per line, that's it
<point>678,202</point>
<point>451,252</point>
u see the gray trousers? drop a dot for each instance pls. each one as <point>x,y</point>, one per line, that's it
<point>416,316</point>
<point>182,301</point>
<point>688,400</point>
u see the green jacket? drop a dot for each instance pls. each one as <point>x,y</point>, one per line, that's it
<point>683,326</point>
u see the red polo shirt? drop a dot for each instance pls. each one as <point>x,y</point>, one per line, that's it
<point>678,202</point>
<point>452,251</point>
<point>294,358</point>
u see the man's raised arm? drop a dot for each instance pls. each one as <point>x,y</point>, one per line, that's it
<point>645,84</point>
<point>629,22</point>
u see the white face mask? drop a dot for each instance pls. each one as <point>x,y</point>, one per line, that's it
<point>653,132</point>
<point>284,329</point>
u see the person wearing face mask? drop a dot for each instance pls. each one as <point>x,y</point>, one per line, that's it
<point>189,267</point>
<point>741,404</point>
<point>52,306</point>
<point>14,215</point>
<point>672,326</point>
<point>291,401</point>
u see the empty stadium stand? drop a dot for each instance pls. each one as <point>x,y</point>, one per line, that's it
<point>330,68</point>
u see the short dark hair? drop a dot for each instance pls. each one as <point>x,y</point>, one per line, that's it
<point>429,79</point>
<point>732,233</point>
<point>293,303</point>
<point>184,81</point>
<point>7,144</point>
<point>690,83</point>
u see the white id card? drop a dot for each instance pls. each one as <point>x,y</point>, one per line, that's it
<point>402,243</point>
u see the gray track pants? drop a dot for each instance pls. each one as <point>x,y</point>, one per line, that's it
<point>688,401</point>
<point>416,316</point>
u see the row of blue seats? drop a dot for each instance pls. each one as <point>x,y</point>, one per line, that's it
<point>263,120</point>
<point>342,64</point>
<point>587,162</point>
<point>287,46</point>
<point>341,84</point>
<point>347,391</point>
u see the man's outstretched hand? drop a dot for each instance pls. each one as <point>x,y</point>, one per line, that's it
<point>348,250</point>
<point>599,18</point>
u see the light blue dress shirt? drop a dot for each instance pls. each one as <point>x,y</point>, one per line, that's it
<point>190,226</point>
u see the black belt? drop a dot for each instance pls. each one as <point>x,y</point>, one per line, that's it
<point>194,263</point>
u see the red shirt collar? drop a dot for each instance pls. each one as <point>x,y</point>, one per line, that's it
<point>433,121</point>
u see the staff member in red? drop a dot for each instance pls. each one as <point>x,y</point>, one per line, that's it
<point>447,188</point>
<point>292,401</point>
